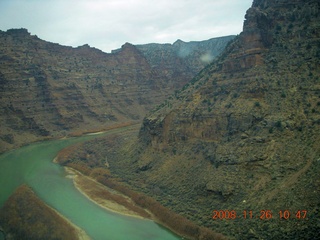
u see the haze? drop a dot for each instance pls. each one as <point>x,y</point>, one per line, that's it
<point>109,24</point>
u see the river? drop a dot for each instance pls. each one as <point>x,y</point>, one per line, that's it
<point>33,166</point>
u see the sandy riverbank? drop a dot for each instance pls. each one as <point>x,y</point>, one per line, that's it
<point>102,195</point>
<point>95,133</point>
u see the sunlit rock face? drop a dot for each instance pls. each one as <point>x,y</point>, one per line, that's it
<point>49,90</point>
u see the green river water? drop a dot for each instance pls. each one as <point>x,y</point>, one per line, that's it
<point>33,165</point>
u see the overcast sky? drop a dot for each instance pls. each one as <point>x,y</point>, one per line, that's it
<point>108,24</point>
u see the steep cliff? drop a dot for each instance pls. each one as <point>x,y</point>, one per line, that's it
<point>244,133</point>
<point>49,90</point>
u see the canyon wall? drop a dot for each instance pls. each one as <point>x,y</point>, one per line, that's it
<point>244,133</point>
<point>49,90</point>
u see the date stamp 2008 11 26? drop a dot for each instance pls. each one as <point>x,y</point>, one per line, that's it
<point>263,214</point>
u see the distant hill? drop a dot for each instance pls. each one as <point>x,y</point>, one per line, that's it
<point>49,90</point>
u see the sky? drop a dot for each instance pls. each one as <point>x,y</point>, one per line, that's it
<point>108,24</point>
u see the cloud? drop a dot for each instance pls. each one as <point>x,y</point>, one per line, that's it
<point>107,24</point>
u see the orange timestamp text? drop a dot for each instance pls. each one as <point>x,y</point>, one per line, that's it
<point>262,214</point>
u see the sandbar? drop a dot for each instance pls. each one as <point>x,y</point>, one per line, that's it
<point>93,191</point>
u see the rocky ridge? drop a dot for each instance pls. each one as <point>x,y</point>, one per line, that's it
<point>49,90</point>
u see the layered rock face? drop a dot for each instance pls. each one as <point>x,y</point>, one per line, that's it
<point>49,90</point>
<point>244,133</point>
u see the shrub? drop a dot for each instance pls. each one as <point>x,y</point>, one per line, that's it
<point>278,125</point>
<point>257,104</point>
